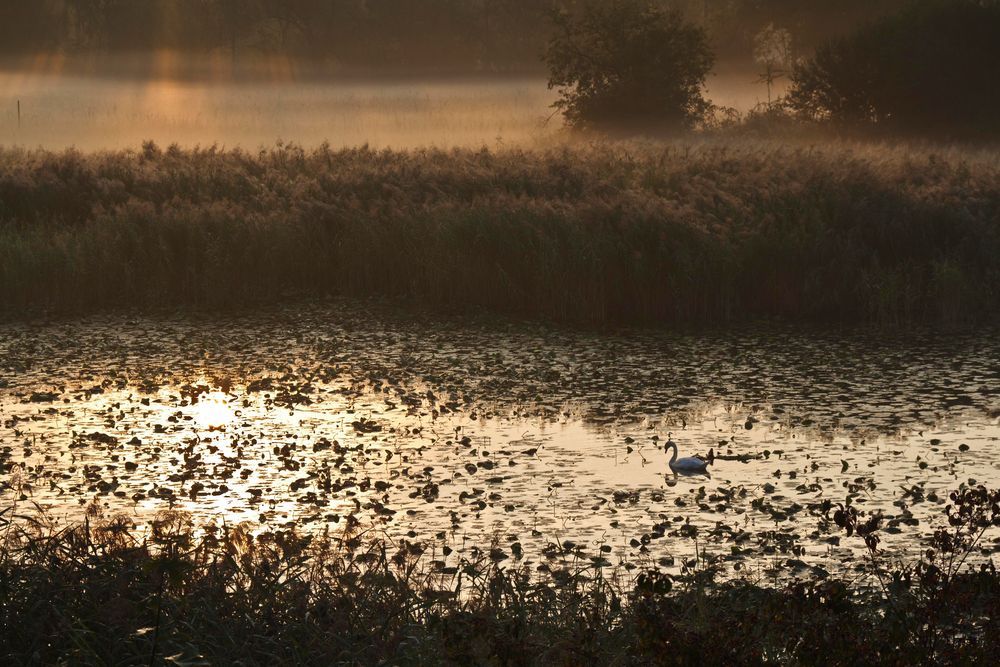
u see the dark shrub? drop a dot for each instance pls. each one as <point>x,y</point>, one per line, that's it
<point>628,64</point>
<point>932,69</point>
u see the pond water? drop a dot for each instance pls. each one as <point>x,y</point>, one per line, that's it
<point>475,437</point>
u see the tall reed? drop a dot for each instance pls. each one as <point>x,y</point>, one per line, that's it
<point>599,234</point>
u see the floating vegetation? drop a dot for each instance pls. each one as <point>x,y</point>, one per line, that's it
<point>521,443</point>
<point>348,483</point>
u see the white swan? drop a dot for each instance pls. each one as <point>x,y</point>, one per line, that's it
<point>686,464</point>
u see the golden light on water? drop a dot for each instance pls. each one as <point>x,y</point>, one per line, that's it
<point>212,411</point>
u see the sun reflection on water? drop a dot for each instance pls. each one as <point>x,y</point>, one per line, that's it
<point>212,412</point>
<point>306,448</point>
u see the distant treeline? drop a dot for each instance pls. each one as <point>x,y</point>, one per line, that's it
<point>606,235</point>
<point>463,35</point>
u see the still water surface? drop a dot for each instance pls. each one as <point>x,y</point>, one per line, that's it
<point>519,441</point>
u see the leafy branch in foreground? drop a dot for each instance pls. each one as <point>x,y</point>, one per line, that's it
<point>936,583</point>
<point>103,592</point>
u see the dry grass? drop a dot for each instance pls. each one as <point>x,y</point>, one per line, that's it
<point>600,234</point>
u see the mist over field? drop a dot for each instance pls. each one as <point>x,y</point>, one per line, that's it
<point>102,114</point>
<point>499,332</point>
<point>63,110</point>
<point>391,73</point>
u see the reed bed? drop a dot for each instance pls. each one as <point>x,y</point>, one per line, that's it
<point>598,234</point>
<point>106,593</point>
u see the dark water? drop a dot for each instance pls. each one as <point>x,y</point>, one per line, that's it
<point>523,442</point>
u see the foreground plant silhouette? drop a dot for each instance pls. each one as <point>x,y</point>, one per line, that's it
<point>936,582</point>
<point>98,593</point>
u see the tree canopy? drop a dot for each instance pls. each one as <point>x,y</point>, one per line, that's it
<point>628,64</point>
<point>466,35</point>
<point>930,69</point>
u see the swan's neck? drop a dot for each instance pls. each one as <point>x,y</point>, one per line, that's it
<point>673,446</point>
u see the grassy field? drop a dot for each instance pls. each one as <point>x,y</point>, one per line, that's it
<point>599,234</point>
<point>97,594</point>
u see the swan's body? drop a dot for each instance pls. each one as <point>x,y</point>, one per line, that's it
<point>686,464</point>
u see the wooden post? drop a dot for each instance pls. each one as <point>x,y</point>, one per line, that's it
<point>19,114</point>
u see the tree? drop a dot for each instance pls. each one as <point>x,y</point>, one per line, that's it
<point>238,22</point>
<point>772,50</point>
<point>313,29</point>
<point>628,65</point>
<point>930,70</point>
<point>27,27</point>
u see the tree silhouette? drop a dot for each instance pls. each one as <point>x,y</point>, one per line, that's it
<point>932,69</point>
<point>772,50</point>
<point>237,21</point>
<point>628,65</point>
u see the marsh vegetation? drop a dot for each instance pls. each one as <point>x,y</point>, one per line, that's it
<point>346,480</point>
<point>97,594</point>
<point>702,231</point>
<point>332,332</point>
